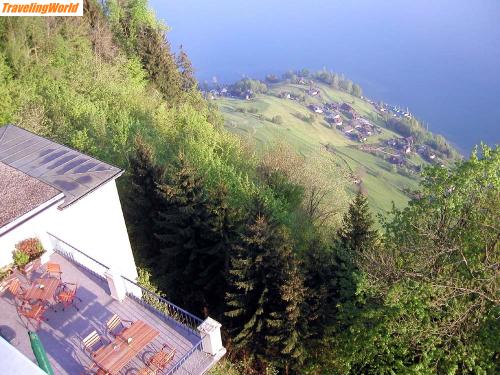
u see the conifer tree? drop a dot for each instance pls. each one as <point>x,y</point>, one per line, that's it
<point>143,199</point>
<point>157,59</point>
<point>355,237</point>
<point>186,70</point>
<point>322,288</point>
<point>193,232</point>
<point>266,294</point>
<point>357,233</point>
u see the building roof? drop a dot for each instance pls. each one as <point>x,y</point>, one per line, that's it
<point>20,194</point>
<point>67,170</point>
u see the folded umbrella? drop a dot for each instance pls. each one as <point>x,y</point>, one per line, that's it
<point>40,354</point>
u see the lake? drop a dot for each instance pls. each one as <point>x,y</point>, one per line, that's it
<point>439,58</point>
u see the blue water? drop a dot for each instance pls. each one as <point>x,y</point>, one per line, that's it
<point>439,58</point>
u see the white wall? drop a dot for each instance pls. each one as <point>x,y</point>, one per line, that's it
<point>95,225</point>
<point>36,226</point>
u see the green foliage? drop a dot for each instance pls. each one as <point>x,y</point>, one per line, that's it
<point>20,258</point>
<point>143,200</point>
<point>266,293</point>
<point>278,120</point>
<point>194,234</point>
<point>430,294</point>
<point>31,247</point>
<point>247,86</point>
<point>356,234</point>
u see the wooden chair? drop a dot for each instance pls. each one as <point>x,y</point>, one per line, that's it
<point>17,289</point>
<point>93,343</point>
<point>116,326</point>
<point>33,312</point>
<point>31,267</point>
<point>53,269</point>
<point>160,359</point>
<point>67,295</point>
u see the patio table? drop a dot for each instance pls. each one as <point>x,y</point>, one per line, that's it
<point>113,357</point>
<point>43,289</point>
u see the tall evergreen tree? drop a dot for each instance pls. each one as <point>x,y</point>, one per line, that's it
<point>355,237</point>
<point>322,288</point>
<point>157,59</point>
<point>357,233</point>
<point>193,232</point>
<point>143,199</point>
<point>188,81</point>
<point>265,300</point>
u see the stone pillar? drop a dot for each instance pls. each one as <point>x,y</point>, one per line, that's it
<point>210,332</point>
<point>116,285</point>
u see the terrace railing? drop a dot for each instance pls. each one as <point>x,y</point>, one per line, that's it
<point>168,310</point>
<point>162,308</point>
<point>77,256</point>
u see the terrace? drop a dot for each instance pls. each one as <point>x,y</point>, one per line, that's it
<point>64,331</point>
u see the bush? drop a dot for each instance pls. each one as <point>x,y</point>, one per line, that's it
<point>32,247</point>
<point>20,258</point>
<point>277,120</point>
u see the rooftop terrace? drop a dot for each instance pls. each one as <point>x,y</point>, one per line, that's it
<point>62,334</point>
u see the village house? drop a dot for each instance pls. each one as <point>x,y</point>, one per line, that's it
<point>348,129</point>
<point>333,106</point>
<point>68,202</point>
<point>315,108</point>
<point>313,92</point>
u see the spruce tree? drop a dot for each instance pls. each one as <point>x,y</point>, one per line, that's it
<point>188,81</point>
<point>266,294</point>
<point>143,200</point>
<point>355,237</point>
<point>193,232</point>
<point>357,233</point>
<point>158,61</point>
<point>322,288</point>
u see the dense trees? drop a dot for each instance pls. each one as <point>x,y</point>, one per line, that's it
<point>141,208</point>
<point>247,87</point>
<point>431,291</point>
<point>257,241</point>
<point>193,233</point>
<point>266,293</point>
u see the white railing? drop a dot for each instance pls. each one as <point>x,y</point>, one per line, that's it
<point>77,256</point>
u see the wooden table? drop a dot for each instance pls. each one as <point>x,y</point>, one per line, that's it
<point>43,289</point>
<point>113,357</point>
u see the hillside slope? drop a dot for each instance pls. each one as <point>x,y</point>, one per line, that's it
<point>253,120</point>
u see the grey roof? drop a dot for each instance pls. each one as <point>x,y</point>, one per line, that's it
<point>21,194</point>
<point>70,171</point>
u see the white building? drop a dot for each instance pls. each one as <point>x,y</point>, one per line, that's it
<point>63,198</point>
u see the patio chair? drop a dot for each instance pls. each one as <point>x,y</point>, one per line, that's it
<point>15,287</point>
<point>67,295</point>
<point>116,326</point>
<point>33,312</point>
<point>160,359</point>
<point>93,343</point>
<point>31,267</point>
<point>53,269</point>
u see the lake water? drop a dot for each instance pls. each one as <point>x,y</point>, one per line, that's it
<point>439,58</point>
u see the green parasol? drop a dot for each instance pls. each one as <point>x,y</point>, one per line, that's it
<point>40,354</point>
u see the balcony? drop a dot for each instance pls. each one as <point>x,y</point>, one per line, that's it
<point>62,334</point>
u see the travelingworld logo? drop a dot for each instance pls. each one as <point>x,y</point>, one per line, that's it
<point>66,8</point>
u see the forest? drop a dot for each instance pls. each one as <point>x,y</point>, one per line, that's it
<point>299,286</point>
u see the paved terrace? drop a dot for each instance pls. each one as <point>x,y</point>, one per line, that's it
<point>62,334</point>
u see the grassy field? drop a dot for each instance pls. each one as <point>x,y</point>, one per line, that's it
<point>383,186</point>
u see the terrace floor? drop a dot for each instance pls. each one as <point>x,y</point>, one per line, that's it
<point>62,334</point>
